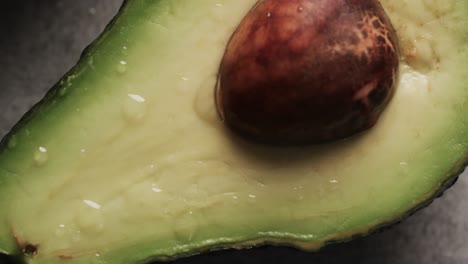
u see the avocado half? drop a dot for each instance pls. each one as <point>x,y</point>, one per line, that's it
<point>126,160</point>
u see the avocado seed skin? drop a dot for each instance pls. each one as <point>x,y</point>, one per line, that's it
<point>308,71</point>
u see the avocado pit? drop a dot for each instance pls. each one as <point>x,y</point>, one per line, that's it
<point>308,71</point>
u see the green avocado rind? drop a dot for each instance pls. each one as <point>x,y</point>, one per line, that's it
<point>50,111</point>
<point>58,94</point>
<point>64,97</point>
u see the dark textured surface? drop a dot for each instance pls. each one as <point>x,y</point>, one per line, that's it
<point>41,40</point>
<point>289,49</point>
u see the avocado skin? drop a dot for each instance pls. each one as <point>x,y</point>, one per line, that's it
<point>227,251</point>
<point>267,246</point>
<point>438,193</point>
<point>54,90</point>
<point>6,259</point>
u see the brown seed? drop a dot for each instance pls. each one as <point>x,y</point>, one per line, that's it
<point>308,71</point>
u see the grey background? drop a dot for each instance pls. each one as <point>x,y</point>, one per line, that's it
<point>41,40</point>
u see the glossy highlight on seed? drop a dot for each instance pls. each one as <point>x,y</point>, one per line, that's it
<point>308,71</point>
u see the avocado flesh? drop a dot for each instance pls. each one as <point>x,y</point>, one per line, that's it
<point>126,159</point>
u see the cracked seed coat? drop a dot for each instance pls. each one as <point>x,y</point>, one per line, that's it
<point>299,71</point>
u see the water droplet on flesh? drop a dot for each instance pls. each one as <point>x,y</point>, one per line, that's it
<point>134,107</point>
<point>92,204</point>
<point>89,218</point>
<point>60,230</point>
<point>90,222</point>
<point>40,156</point>
<point>122,67</point>
<point>204,104</point>
<point>12,142</point>
<point>155,188</point>
<point>63,91</point>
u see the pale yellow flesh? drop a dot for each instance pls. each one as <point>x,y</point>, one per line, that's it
<point>151,162</point>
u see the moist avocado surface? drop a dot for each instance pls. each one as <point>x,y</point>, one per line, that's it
<point>126,160</point>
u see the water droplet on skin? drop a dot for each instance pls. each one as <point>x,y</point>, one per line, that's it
<point>12,142</point>
<point>134,107</point>
<point>333,181</point>
<point>40,156</point>
<point>122,67</point>
<point>252,196</point>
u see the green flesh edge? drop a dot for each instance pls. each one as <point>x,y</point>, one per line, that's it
<point>126,160</point>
